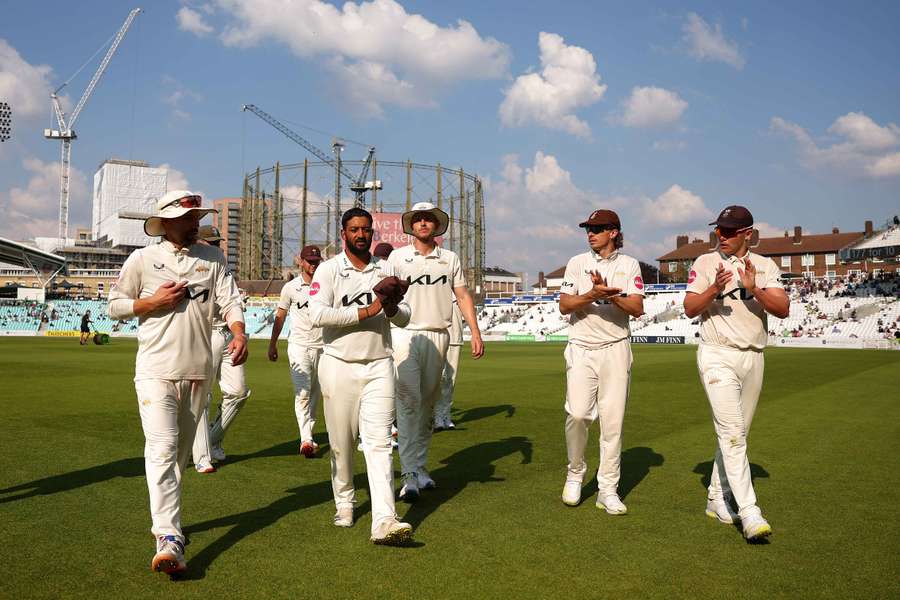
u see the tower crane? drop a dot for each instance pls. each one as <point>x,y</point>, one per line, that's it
<point>66,131</point>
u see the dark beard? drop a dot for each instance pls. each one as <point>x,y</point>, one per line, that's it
<point>360,253</point>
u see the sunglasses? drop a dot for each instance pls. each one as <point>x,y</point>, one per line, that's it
<point>595,229</point>
<point>186,202</point>
<point>728,232</point>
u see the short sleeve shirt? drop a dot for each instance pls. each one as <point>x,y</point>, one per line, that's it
<point>734,319</point>
<point>432,278</point>
<point>295,300</point>
<point>602,322</point>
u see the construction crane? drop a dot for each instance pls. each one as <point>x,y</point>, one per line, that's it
<point>66,131</point>
<point>358,184</point>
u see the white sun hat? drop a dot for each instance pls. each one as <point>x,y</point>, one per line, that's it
<point>443,220</point>
<point>171,206</point>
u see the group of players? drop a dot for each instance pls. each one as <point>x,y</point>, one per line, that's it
<point>370,335</point>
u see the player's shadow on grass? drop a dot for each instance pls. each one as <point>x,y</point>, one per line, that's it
<point>253,521</point>
<point>634,467</point>
<point>470,465</point>
<point>704,469</point>
<point>126,467</point>
<point>482,412</point>
<point>290,448</point>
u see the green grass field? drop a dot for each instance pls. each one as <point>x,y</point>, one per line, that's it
<point>824,451</point>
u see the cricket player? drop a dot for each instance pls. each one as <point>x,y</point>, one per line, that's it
<point>732,289</point>
<point>602,289</point>
<point>420,349</point>
<point>174,287</point>
<point>442,418</point>
<point>352,297</point>
<point>208,441</point>
<point>304,346</point>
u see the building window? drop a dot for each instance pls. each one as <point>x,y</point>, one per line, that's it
<point>808,260</point>
<point>673,267</point>
<point>829,259</point>
<point>831,274</point>
<point>785,262</point>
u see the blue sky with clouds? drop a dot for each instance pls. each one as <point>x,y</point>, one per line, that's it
<point>665,112</point>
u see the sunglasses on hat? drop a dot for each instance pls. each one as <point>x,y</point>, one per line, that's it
<point>730,232</point>
<point>186,202</point>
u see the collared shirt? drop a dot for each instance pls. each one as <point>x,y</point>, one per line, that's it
<point>432,278</point>
<point>295,300</point>
<point>601,323</point>
<point>175,344</point>
<point>337,292</point>
<point>734,319</point>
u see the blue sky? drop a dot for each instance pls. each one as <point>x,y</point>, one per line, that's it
<point>666,112</point>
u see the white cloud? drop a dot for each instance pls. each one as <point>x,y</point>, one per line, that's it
<point>767,230</point>
<point>652,107</point>
<point>568,81</point>
<point>177,180</point>
<point>378,40</point>
<point>863,148</point>
<point>176,95</point>
<point>709,43</point>
<point>666,145</point>
<point>676,206</point>
<point>192,21</point>
<point>24,86</point>
<point>33,210</point>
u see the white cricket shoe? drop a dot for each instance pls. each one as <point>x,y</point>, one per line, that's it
<point>344,517</point>
<point>755,526</point>
<point>410,490</point>
<point>205,467</point>
<point>449,424</point>
<point>571,495</point>
<point>612,504</point>
<point>425,480</point>
<point>392,533</point>
<point>719,509</point>
<point>169,557</point>
<point>217,454</point>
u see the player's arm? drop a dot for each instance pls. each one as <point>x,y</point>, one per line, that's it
<point>695,302</point>
<point>322,313</point>
<point>569,303</point>
<point>467,308</point>
<point>228,301</point>
<point>125,301</point>
<point>774,300</point>
<point>633,304</point>
<point>280,315</point>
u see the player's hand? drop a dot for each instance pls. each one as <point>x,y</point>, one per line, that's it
<point>273,352</point>
<point>723,276</point>
<point>169,294</point>
<point>601,291</point>
<point>477,346</point>
<point>748,275</point>
<point>238,349</point>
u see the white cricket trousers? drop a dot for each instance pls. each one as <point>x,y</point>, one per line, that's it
<point>597,384</point>
<point>420,358</point>
<point>304,363</point>
<point>234,394</point>
<point>169,414</point>
<point>448,383</point>
<point>732,379</point>
<point>359,403</point>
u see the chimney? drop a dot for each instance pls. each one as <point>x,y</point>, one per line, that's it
<point>681,240</point>
<point>798,234</point>
<point>835,230</point>
<point>869,229</point>
<point>713,242</point>
<point>541,280</point>
<point>786,234</point>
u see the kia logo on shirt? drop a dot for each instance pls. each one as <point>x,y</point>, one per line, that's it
<point>735,294</point>
<point>361,299</point>
<point>427,280</point>
<point>302,306</point>
<point>201,293</point>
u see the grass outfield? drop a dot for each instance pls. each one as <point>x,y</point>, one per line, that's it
<point>824,452</point>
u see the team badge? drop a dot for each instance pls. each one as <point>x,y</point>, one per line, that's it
<point>638,282</point>
<point>314,288</point>
<point>692,276</point>
<point>201,269</point>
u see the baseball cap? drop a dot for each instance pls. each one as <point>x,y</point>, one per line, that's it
<point>311,254</point>
<point>208,233</point>
<point>383,250</point>
<point>171,206</point>
<point>602,217</point>
<point>734,217</point>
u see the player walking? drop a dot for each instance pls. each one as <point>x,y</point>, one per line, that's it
<point>352,297</point>
<point>732,289</point>
<point>304,346</point>
<point>420,349</point>
<point>442,418</point>
<point>602,288</point>
<point>232,382</point>
<point>174,287</point>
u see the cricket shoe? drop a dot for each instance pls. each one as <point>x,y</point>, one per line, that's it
<point>410,490</point>
<point>571,495</point>
<point>394,442</point>
<point>169,557</point>
<point>719,509</point>
<point>612,504</point>
<point>439,424</point>
<point>205,467</point>
<point>755,526</point>
<point>448,423</point>
<point>216,453</point>
<point>392,533</point>
<point>308,449</point>
<point>344,517</point>
<point>425,480</point>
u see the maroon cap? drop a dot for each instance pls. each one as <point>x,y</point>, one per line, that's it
<point>734,217</point>
<point>383,250</point>
<point>602,217</point>
<point>311,254</point>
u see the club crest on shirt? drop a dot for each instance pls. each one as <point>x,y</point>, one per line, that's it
<point>201,269</point>
<point>692,276</point>
<point>314,288</point>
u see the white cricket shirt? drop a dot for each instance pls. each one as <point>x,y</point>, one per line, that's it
<point>337,292</point>
<point>734,319</point>
<point>175,344</point>
<point>295,300</point>
<point>432,278</point>
<point>600,323</point>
